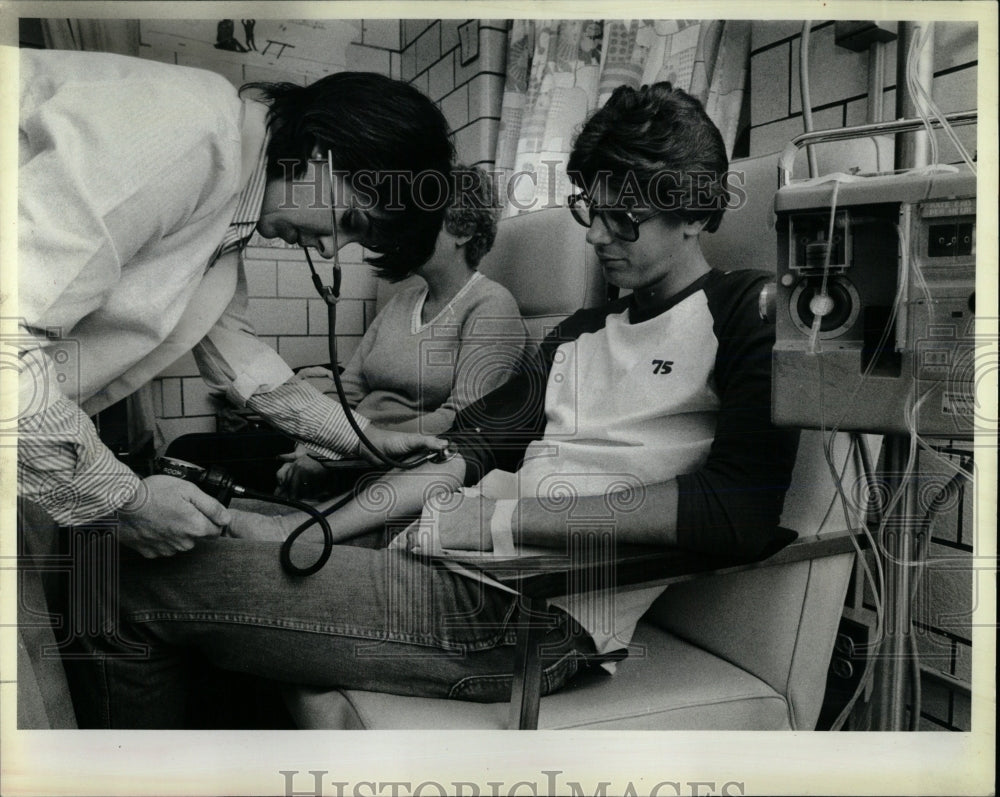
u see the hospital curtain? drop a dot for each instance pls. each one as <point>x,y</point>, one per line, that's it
<point>558,71</point>
<point>119,36</point>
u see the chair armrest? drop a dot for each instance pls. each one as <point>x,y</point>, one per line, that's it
<point>540,578</point>
<point>641,566</point>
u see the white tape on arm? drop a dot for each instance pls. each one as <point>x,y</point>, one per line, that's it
<point>501,527</point>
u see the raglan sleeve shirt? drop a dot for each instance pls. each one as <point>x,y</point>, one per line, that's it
<point>731,504</point>
<point>496,430</point>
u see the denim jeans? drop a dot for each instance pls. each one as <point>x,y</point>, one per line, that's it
<point>378,620</point>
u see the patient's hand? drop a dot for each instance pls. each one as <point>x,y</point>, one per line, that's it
<point>398,445</point>
<point>302,476</point>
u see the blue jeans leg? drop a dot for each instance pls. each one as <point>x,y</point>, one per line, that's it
<point>378,620</point>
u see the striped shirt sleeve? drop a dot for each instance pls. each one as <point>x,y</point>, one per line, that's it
<point>299,409</point>
<point>63,466</point>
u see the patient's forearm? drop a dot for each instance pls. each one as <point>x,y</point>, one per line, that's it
<point>646,518</point>
<point>395,495</point>
<point>247,525</point>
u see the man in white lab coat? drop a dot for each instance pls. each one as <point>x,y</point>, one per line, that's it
<point>139,185</point>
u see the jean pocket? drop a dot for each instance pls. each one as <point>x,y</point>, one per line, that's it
<point>497,688</point>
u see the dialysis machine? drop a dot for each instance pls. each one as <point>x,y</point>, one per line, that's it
<point>875,332</point>
<point>888,265</point>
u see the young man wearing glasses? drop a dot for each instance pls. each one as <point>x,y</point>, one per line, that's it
<point>651,413</point>
<point>139,186</point>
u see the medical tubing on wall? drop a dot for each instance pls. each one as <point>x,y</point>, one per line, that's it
<point>855,445</point>
<point>913,79</point>
<point>923,102</point>
<point>884,506</point>
<point>807,120</point>
<point>868,469</point>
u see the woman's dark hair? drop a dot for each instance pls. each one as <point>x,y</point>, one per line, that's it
<point>372,124</point>
<point>473,210</point>
<point>657,146</point>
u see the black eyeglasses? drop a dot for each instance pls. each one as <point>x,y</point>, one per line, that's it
<point>622,224</point>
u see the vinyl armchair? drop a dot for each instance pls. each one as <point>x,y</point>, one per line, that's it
<point>729,645</point>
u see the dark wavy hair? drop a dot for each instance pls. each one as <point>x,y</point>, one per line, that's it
<point>370,123</point>
<point>474,210</point>
<point>657,144</point>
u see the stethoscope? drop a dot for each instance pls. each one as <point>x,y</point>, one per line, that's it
<point>221,486</point>
<point>330,294</point>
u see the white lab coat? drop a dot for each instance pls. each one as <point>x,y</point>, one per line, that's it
<point>130,172</point>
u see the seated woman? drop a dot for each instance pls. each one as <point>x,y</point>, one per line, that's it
<point>437,346</point>
<point>651,413</point>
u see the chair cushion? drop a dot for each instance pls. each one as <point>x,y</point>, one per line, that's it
<point>544,260</point>
<point>777,623</point>
<point>666,684</point>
